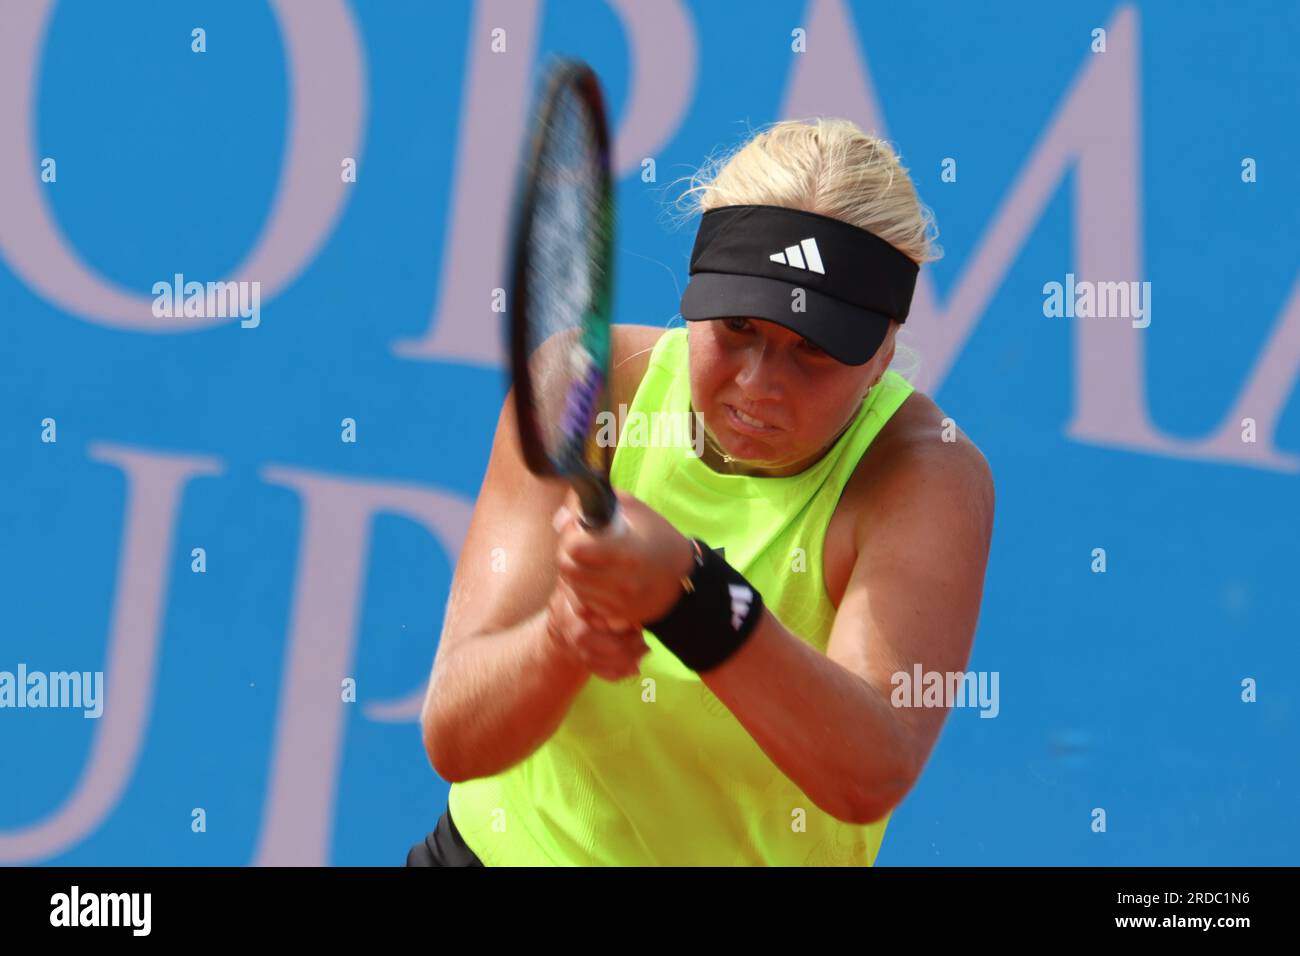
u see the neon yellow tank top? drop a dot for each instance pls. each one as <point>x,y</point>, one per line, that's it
<point>654,770</point>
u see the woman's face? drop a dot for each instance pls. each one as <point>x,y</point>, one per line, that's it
<point>770,399</point>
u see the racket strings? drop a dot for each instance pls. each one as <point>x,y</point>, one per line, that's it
<point>567,278</point>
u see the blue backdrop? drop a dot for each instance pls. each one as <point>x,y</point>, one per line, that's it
<point>1167,156</point>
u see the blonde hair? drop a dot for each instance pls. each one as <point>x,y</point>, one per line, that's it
<point>827,166</point>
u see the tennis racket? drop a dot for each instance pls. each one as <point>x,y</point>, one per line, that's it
<point>561,285</point>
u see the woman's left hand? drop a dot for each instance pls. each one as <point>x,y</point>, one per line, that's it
<point>634,575</point>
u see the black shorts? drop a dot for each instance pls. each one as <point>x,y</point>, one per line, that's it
<point>442,847</point>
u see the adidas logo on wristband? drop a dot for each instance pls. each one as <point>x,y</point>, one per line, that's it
<point>741,598</point>
<point>715,595</point>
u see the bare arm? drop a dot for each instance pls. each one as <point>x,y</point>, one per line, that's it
<point>913,597</point>
<point>497,699</point>
<point>503,679</point>
<point>499,685</point>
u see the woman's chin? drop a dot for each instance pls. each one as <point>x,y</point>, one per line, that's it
<point>754,452</point>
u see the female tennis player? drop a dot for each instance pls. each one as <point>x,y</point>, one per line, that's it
<point>823,529</point>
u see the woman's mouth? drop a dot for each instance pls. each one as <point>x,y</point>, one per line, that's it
<point>748,424</point>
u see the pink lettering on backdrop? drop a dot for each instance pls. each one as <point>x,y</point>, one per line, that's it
<point>1097,131</point>
<point>154,484</point>
<point>497,95</point>
<point>337,516</point>
<point>327,114</point>
<point>297,821</point>
<point>298,817</point>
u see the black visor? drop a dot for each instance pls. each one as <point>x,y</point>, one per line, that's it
<point>748,261</point>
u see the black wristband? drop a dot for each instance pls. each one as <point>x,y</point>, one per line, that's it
<point>715,616</point>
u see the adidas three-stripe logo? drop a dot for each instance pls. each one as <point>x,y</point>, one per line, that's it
<point>805,255</point>
<point>741,598</point>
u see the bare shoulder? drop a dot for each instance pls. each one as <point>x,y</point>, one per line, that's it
<point>923,454</point>
<point>630,348</point>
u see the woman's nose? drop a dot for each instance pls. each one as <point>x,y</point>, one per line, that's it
<point>760,378</point>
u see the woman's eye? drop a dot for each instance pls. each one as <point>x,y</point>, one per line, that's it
<point>736,324</point>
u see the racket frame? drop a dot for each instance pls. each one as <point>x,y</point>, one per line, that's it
<point>596,496</point>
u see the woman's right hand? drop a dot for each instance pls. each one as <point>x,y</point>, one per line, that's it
<point>610,655</point>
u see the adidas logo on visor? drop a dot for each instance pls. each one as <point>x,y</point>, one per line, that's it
<point>803,256</point>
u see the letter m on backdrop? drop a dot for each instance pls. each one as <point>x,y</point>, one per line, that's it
<point>1095,130</point>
